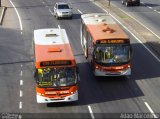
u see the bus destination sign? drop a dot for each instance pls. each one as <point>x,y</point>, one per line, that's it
<point>113,41</point>
<point>56,63</point>
<point>44,83</point>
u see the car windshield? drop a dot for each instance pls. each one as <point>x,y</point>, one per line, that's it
<point>55,77</point>
<point>63,6</point>
<point>112,54</point>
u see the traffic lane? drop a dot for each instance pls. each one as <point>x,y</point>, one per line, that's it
<point>141,102</point>
<point>80,59</point>
<point>31,109</point>
<point>35,14</point>
<point>11,58</point>
<point>85,6</point>
<point>143,14</point>
<point>11,52</point>
<point>29,104</point>
<point>146,73</point>
<point>155,4</point>
<point>9,87</point>
<point>120,96</point>
<point>92,100</point>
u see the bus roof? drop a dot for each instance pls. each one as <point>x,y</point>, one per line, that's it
<point>102,26</point>
<point>52,44</point>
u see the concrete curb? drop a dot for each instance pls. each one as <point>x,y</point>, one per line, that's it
<point>2,14</point>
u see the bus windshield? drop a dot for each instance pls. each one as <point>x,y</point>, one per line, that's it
<point>55,77</point>
<point>112,54</point>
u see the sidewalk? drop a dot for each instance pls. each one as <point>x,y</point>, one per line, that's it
<point>2,12</point>
<point>146,36</point>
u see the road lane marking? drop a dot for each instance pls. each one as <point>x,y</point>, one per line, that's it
<point>149,7</point>
<point>91,112</point>
<point>19,18</point>
<point>51,11</point>
<point>21,82</point>
<point>20,93</point>
<point>21,65</point>
<point>141,24</point>
<point>150,109</point>
<point>20,105</point>
<point>80,11</point>
<point>21,73</point>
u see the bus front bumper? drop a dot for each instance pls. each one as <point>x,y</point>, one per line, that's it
<point>70,98</point>
<point>126,72</point>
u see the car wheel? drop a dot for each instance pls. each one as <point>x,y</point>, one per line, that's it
<point>138,4</point>
<point>57,16</point>
<point>122,2</point>
<point>127,4</point>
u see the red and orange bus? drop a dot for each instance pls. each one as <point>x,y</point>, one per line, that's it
<point>56,72</point>
<point>105,45</point>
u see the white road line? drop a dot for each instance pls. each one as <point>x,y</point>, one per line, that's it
<point>43,2</point>
<point>21,93</point>
<point>91,112</point>
<point>51,11</point>
<point>21,82</point>
<point>19,18</point>
<point>59,27</point>
<point>21,73</point>
<point>20,105</point>
<point>80,11</point>
<point>46,6</point>
<point>150,109</point>
<point>21,65</point>
<point>141,24</point>
<point>149,7</point>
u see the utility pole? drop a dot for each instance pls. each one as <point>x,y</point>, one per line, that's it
<point>0,3</point>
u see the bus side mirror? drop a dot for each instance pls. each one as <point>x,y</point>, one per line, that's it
<point>35,74</point>
<point>77,70</point>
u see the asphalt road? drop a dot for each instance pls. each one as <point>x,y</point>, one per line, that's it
<point>107,95</point>
<point>147,13</point>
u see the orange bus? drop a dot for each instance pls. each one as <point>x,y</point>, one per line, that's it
<point>105,45</point>
<point>56,72</point>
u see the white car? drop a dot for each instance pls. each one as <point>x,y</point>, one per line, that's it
<point>62,10</point>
